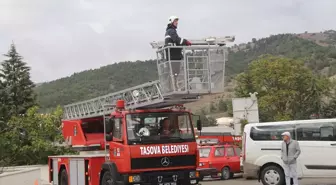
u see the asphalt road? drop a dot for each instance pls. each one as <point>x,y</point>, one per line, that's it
<point>241,181</point>
<point>238,180</point>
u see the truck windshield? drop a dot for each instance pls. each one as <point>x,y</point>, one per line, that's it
<point>167,127</point>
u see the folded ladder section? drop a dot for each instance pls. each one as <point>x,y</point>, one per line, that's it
<point>147,95</point>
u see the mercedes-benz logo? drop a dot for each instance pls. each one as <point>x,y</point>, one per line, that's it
<point>165,161</point>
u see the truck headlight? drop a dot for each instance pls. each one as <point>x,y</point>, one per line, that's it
<point>201,164</point>
<point>193,174</point>
<point>134,178</point>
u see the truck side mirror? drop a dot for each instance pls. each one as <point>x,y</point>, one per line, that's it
<point>199,125</point>
<point>197,119</point>
<point>109,123</point>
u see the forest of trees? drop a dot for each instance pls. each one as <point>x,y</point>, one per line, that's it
<point>26,136</point>
<point>287,90</point>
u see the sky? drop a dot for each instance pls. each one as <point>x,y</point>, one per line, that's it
<point>60,37</point>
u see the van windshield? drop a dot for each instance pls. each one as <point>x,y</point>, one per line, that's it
<point>159,127</point>
<point>204,152</point>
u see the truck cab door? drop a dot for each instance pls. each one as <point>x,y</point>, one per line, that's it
<point>117,144</point>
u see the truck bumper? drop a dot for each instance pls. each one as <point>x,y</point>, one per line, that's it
<point>171,177</point>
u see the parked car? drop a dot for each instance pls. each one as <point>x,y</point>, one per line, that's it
<point>219,161</point>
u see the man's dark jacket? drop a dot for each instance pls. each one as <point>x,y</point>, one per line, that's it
<point>172,39</point>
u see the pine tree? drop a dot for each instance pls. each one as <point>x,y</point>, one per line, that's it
<point>3,112</point>
<point>18,87</point>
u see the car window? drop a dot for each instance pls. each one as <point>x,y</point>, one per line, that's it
<point>204,152</point>
<point>316,131</point>
<point>219,152</point>
<point>238,151</point>
<point>271,132</point>
<point>229,151</point>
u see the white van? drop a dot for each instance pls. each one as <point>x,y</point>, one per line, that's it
<point>262,149</point>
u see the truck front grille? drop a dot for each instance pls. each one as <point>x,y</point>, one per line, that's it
<point>156,162</point>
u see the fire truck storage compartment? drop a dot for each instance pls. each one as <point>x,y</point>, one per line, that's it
<point>76,171</point>
<point>81,169</point>
<point>55,170</point>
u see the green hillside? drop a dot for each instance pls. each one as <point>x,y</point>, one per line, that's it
<point>95,82</point>
<point>315,56</point>
<point>319,55</point>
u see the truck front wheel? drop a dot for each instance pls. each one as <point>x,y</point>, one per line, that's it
<point>107,179</point>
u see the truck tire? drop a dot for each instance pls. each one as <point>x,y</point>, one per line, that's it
<point>226,174</point>
<point>272,175</point>
<point>63,179</point>
<point>108,179</point>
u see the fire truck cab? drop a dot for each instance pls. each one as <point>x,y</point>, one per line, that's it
<point>143,147</point>
<point>148,147</point>
<point>143,135</point>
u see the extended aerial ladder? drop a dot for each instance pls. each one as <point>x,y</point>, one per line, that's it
<point>200,71</point>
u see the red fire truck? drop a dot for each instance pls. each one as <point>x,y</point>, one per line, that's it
<point>142,135</point>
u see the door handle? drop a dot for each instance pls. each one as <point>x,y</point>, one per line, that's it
<point>333,144</point>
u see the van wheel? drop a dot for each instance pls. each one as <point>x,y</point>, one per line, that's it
<point>108,179</point>
<point>272,175</point>
<point>226,173</point>
<point>63,180</point>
